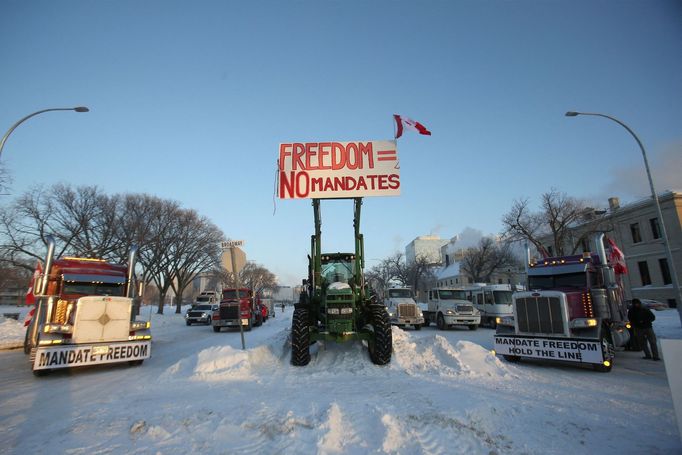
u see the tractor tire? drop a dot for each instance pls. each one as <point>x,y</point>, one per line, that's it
<point>300,338</point>
<point>381,348</point>
<point>440,322</point>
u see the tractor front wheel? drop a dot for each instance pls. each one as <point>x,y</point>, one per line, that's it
<point>300,338</point>
<point>381,348</point>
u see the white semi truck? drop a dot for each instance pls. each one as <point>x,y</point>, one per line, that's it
<point>402,309</point>
<point>448,307</point>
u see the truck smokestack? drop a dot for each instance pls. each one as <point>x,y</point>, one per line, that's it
<point>48,265</point>
<point>614,203</point>
<point>607,271</point>
<point>132,258</point>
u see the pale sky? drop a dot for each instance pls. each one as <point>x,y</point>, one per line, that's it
<point>190,99</point>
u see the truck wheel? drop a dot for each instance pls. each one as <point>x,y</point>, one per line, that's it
<point>135,363</point>
<point>440,322</point>
<point>511,358</point>
<point>188,323</point>
<point>216,328</point>
<point>259,321</point>
<point>41,373</point>
<point>417,327</point>
<point>426,321</point>
<point>473,327</point>
<point>27,348</point>
<point>381,348</point>
<point>300,338</point>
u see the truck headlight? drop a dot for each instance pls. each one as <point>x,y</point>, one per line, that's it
<point>449,312</point>
<point>58,328</point>
<point>583,323</point>
<point>140,325</point>
<point>504,320</point>
<point>347,310</point>
<point>332,311</point>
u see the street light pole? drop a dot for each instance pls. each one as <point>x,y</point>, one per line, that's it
<point>13,127</point>
<point>671,262</point>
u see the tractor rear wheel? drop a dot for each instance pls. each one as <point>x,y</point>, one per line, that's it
<point>381,348</point>
<point>300,338</point>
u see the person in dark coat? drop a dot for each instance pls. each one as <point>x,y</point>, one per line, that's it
<point>641,318</point>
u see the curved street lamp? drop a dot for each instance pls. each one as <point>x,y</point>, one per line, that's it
<point>671,262</point>
<point>13,127</point>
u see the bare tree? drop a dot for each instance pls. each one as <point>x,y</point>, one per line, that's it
<point>481,262</point>
<point>257,278</point>
<point>380,276</point>
<point>558,217</point>
<point>195,249</point>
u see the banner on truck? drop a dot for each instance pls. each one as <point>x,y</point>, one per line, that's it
<point>338,169</point>
<point>77,356</point>
<point>571,350</point>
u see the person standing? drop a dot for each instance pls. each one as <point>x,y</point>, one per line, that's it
<point>641,318</point>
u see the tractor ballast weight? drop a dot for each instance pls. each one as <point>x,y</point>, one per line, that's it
<point>335,304</point>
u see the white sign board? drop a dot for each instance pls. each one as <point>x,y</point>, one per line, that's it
<point>338,169</point>
<point>81,355</point>
<point>568,350</point>
<point>232,243</point>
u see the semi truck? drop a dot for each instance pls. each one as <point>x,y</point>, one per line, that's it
<point>402,309</point>
<point>573,311</point>
<point>237,307</point>
<point>448,307</point>
<point>492,301</point>
<point>83,314</point>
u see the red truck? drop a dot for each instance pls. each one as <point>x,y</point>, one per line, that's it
<point>573,311</point>
<point>83,314</point>
<point>246,310</point>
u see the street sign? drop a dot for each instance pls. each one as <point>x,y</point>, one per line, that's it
<point>232,243</point>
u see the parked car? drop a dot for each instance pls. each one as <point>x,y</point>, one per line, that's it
<point>200,314</point>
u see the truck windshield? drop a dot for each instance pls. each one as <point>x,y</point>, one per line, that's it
<point>338,271</point>
<point>114,289</point>
<point>447,294</point>
<point>568,280</point>
<point>400,293</point>
<point>232,294</point>
<point>203,307</point>
<point>503,297</point>
<point>203,299</point>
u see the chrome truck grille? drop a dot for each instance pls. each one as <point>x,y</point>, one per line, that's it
<point>539,315</point>
<point>229,311</point>
<point>407,310</point>
<point>469,309</point>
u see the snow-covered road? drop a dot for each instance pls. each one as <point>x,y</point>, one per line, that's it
<point>442,393</point>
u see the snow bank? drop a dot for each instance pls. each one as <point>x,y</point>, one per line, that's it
<point>11,333</point>
<point>225,363</point>
<point>434,355</point>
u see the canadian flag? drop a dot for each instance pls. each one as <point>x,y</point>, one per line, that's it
<point>407,123</point>
<point>617,258</point>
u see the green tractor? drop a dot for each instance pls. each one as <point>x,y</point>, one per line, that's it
<point>336,304</point>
